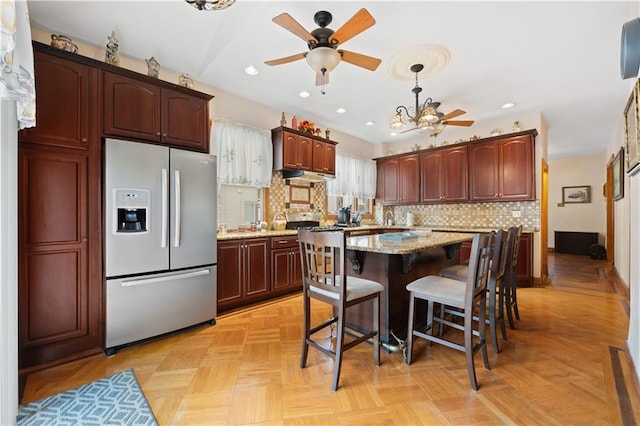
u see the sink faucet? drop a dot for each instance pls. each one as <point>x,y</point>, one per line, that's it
<point>389,220</point>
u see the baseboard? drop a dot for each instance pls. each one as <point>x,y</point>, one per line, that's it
<point>618,284</point>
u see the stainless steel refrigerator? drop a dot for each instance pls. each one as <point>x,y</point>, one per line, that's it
<point>160,240</point>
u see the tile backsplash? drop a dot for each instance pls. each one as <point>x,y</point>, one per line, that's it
<point>291,195</point>
<point>467,215</point>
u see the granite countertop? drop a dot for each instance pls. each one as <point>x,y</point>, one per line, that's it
<point>425,240</point>
<point>290,232</point>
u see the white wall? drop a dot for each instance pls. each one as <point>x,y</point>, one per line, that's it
<point>588,217</point>
<point>8,263</point>
<point>627,238</point>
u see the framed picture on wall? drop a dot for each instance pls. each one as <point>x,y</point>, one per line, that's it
<point>618,175</point>
<point>576,194</point>
<point>632,135</point>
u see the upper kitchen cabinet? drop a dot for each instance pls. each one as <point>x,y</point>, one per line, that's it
<point>295,150</point>
<point>444,175</point>
<point>324,157</point>
<point>145,110</point>
<point>399,180</point>
<point>502,169</point>
<point>65,90</point>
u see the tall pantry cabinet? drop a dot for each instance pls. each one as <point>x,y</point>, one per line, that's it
<point>60,217</point>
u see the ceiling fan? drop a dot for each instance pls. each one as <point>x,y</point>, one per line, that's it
<point>426,115</point>
<point>324,55</point>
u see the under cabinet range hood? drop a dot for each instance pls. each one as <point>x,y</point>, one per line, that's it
<point>306,175</point>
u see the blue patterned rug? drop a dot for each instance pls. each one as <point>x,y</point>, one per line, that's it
<point>114,400</point>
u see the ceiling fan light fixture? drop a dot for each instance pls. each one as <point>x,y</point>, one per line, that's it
<point>428,116</point>
<point>323,59</point>
<point>397,122</point>
<point>210,4</point>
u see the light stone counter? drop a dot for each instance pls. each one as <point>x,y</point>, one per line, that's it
<point>425,240</point>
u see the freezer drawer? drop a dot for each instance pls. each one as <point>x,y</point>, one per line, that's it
<point>146,306</point>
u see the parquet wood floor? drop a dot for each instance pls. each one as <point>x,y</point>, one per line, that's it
<point>558,367</point>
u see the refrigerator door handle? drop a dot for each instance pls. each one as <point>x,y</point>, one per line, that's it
<point>165,207</point>
<point>178,219</point>
<point>143,281</point>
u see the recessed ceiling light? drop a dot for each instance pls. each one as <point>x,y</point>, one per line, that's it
<point>304,94</point>
<point>508,105</point>
<point>251,70</point>
<point>393,134</point>
<point>369,123</point>
<point>341,110</point>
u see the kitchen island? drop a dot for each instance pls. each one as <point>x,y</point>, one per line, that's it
<point>394,264</point>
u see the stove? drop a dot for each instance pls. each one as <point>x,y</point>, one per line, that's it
<point>302,220</point>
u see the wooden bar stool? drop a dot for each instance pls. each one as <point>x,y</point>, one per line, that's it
<point>496,287</point>
<point>324,269</point>
<point>467,297</point>
<point>511,279</point>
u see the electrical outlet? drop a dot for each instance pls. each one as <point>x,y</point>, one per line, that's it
<point>516,213</point>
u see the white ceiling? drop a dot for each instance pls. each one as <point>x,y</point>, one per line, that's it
<point>558,58</point>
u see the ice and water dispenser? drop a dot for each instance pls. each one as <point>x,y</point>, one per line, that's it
<point>131,210</point>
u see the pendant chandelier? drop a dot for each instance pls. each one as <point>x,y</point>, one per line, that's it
<point>425,115</point>
<point>210,4</point>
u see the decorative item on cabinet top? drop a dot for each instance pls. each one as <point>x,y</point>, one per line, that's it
<point>154,67</point>
<point>185,80</point>
<point>111,55</point>
<point>63,42</point>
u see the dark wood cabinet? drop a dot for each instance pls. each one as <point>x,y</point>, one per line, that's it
<point>409,179</point>
<point>502,169</point>
<point>525,260</point>
<point>286,267</point>
<point>387,189</point>
<point>244,271</point>
<point>324,157</point>
<point>399,180</point>
<point>138,109</point>
<point>295,150</point>
<point>60,290</point>
<point>444,175</point>
<point>292,151</point>
<point>63,91</point>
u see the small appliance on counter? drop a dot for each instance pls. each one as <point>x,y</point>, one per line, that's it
<point>344,216</point>
<point>356,219</point>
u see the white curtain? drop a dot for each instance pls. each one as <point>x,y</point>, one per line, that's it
<point>17,106</point>
<point>355,177</point>
<point>245,154</point>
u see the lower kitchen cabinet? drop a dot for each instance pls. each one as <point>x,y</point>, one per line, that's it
<point>244,272</point>
<point>286,266</point>
<point>59,256</point>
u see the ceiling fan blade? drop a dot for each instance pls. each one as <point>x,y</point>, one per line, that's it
<point>322,79</point>
<point>453,114</point>
<point>364,61</point>
<point>354,26</point>
<point>286,59</point>
<point>465,123</point>
<point>287,22</point>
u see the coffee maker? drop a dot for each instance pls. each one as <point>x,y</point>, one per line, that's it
<point>344,216</point>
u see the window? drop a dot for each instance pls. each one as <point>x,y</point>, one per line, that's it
<point>354,185</point>
<point>239,205</point>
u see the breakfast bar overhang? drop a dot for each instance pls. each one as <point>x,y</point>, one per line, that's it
<point>394,263</point>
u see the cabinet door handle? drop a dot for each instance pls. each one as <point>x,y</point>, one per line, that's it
<point>164,135</point>
<point>157,133</point>
<point>84,140</point>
